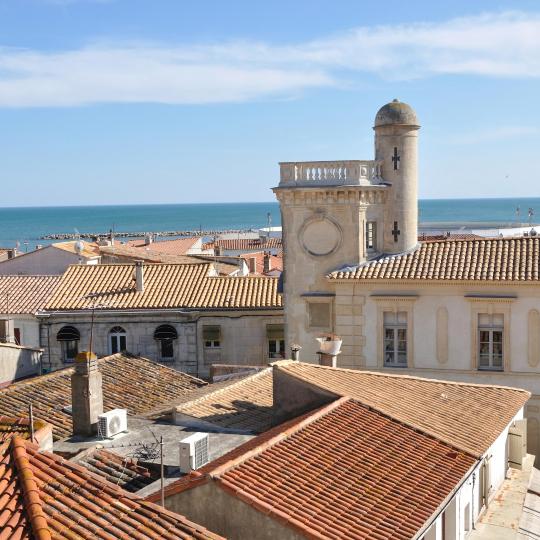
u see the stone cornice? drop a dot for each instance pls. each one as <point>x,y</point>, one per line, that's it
<point>346,195</point>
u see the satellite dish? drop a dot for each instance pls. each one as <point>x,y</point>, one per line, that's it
<point>79,247</point>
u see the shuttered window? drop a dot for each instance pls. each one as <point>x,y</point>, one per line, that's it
<point>212,336</point>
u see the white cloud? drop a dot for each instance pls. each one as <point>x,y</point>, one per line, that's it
<point>496,45</point>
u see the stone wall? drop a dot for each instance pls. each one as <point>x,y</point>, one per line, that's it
<point>18,362</point>
<point>243,337</point>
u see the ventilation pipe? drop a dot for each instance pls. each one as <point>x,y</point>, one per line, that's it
<point>139,276</point>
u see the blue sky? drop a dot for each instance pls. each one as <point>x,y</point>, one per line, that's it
<point>165,101</point>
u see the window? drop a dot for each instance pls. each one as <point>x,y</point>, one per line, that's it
<point>212,337</point>
<point>276,340</point>
<point>17,335</point>
<point>319,314</point>
<point>69,338</point>
<point>165,336</point>
<point>371,236</point>
<point>117,340</point>
<point>490,341</point>
<point>395,339</point>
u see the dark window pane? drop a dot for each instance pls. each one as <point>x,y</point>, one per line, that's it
<point>167,348</point>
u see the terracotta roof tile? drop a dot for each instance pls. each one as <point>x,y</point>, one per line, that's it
<point>134,253</point>
<point>245,244</point>
<point>175,246</point>
<point>345,471</point>
<point>165,286</point>
<point>276,262</point>
<point>245,404</point>
<point>501,259</point>
<point>124,472</point>
<point>26,294</point>
<point>55,498</point>
<point>149,385</point>
<point>467,416</point>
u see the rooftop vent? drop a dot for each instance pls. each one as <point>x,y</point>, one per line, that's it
<point>193,452</point>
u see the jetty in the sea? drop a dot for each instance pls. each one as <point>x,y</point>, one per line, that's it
<point>141,234</point>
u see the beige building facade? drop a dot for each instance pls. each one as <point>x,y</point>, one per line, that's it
<point>465,310</point>
<point>181,315</point>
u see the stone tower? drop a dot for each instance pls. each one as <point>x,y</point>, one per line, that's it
<point>396,146</point>
<point>341,213</point>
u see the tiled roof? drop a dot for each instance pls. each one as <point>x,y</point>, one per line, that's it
<point>467,416</point>
<point>276,262</point>
<point>148,385</point>
<point>448,236</point>
<point>244,405</point>
<point>345,471</point>
<point>175,246</point>
<point>241,244</point>
<point>165,286</point>
<point>25,294</point>
<point>90,249</point>
<point>44,496</point>
<point>122,253</point>
<point>124,472</point>
<point>502,259</point>
<point>121,250</point>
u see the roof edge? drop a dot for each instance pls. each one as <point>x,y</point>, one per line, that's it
<point>30,490</point>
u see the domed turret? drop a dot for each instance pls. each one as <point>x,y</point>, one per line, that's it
<point>396,135</point>
<point>396,113</point>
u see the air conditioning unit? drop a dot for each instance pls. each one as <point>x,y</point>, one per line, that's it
<point>112,423</point>
<point>193,452</point>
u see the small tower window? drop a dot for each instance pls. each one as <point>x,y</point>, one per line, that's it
<point>371,236</point>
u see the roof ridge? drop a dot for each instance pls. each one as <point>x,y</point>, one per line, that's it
<point>402,376</point>
<point>236,384</point>
<point>295,427</point>
<point>30,490</point>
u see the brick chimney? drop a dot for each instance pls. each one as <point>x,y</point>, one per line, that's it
<point>139,276</point>
<point>266,262</point>
<point>86,395</point>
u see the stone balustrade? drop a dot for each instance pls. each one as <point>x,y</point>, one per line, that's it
<point>313,173</point>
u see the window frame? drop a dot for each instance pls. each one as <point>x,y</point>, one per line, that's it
<point>166,341</point>
<point>278,345</point>
<point>212,343</point>
<point>395,303</point>
<point>396,351</point>
<point>67,345</point>
<point>491,329</point>
<point>116,333</point>
<point>371,232</point>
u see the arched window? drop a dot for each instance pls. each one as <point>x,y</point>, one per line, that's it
<point>69,338</point>
<point>165,336</point>
<point>117,340</point>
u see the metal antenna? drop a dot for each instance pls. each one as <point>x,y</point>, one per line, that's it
<point>161,473</point>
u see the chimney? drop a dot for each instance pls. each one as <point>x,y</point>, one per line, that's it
<point>252,265</point>
<point>86,395</point>
<point>217,250</point>
<point>148,239</point>
<point>329,348</point>
<point>266,262</point>
<point>12,253</point>
<point>295,352</point>
<point>139,276</point>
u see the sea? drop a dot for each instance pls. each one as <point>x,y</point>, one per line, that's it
<point>26,226</point>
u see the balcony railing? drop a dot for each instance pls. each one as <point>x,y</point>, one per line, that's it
<point>330,173</point>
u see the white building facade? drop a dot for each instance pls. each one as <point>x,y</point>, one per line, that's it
<point>466,310</point>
